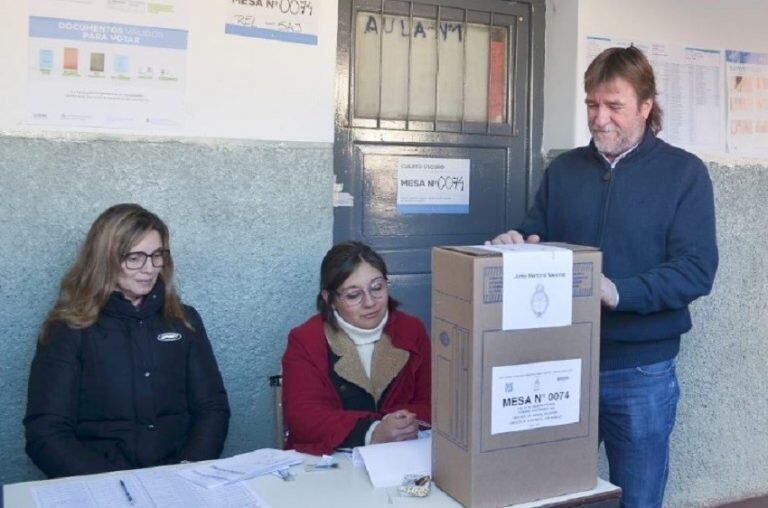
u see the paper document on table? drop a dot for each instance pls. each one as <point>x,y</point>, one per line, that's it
<point>95,492</point>
<point>148,488</point>
<point>167,490</point>
<point>240,467</point>
<point>387,463</point>
<point>118,490</point>
<point>68,494</point>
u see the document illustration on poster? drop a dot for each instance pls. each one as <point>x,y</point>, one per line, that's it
<point>117,64</point>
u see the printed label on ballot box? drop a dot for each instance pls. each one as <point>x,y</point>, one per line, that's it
<point>534,395</point>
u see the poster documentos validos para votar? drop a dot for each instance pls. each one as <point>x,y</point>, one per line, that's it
<point>107,64</point>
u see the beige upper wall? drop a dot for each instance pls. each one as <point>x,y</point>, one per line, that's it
<point>715,24</point>
<point>562,99</point>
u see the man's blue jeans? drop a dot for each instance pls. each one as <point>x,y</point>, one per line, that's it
<point>637,414</point>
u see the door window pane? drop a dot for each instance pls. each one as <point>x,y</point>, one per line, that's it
<point>367,56</point>
<point>450,72</point>
<point>425,70</point>
<point>476,83</point>
<point>381,60</point>
<point>497,89</point>
<point>394,64</point>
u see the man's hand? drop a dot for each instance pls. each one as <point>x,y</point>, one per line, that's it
<point>609,296</point>
<point>398,426</point>
<point>512,236</point>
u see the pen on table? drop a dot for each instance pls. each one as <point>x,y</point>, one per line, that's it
<point>125,491</point>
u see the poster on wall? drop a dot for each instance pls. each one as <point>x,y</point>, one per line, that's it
<point>292,21</point>
<point>689,82</point>
<point>432,185</point>
<point>747,85</point>
<point>107,64</point>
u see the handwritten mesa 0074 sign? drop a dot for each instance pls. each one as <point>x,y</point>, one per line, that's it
<point>292,21</point>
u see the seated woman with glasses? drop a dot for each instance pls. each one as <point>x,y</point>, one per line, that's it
<point>123,376</point>
<point>359,371</point>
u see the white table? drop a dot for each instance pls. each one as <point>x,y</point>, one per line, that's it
<point>345,487</point>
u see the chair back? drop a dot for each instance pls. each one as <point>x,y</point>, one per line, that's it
<point>281,432</point>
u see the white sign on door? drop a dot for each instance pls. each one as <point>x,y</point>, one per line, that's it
<point>431,185</point>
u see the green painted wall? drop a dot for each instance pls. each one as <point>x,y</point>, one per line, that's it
<point>250,222</point>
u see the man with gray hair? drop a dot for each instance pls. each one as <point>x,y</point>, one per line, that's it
<point>649,207</point>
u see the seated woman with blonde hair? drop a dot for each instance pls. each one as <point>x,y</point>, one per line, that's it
<point>123,376</point>
<point>359,371</point>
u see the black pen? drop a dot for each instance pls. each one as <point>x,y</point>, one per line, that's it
<point>125,491</point>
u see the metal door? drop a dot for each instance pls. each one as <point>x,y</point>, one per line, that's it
<point>452,81</point>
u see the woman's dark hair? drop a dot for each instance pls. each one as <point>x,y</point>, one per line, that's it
<point>338,264</point>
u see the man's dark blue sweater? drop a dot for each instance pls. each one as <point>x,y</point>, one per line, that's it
<point>653,217</point>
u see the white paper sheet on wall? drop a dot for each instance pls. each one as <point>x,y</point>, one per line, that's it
<point>108,65</point>
<point>747,78</point>
<point>294,21</point>
<point>431,185</point>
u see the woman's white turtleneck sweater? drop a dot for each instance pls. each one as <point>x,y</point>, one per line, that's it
<point>365,340</point>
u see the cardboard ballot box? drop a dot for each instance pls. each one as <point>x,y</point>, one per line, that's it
<point>514,412</point>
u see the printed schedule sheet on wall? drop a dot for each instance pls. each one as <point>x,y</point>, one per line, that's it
<point>747,102</point>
